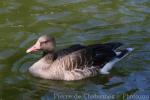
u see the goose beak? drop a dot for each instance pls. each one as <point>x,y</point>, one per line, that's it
<point>35,47</point>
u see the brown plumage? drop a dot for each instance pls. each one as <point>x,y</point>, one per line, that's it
<point>74,63</point>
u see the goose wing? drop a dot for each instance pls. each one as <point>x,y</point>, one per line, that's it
<point>80,57</point>
<point>69,50</point>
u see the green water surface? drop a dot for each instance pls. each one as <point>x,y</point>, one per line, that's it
<point>71,22</point>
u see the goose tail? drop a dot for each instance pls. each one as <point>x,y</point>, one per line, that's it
<point>119,55</point>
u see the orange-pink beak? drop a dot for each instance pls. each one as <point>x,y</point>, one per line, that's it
<point>34,48</point>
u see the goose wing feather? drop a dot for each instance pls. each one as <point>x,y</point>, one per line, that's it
<point>81,57</point>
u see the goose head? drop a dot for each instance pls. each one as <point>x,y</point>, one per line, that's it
<point>44,43</point>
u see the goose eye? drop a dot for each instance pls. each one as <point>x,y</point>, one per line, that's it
<point>45,42</point>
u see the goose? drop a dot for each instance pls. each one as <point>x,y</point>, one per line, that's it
<point>76,62</point>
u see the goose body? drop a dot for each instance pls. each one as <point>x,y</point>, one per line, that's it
<point>75,62</point>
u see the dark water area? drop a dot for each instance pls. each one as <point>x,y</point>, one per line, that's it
<point>74,21</point>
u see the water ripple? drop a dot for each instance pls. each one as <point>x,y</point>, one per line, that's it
<point>56,16</point>
<point>28,40</point>
<point>6,54</point>
<point>60,2</point>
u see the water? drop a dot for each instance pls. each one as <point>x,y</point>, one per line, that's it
<point>74,21</point>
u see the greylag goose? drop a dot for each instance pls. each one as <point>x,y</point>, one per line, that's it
<point>75,62</point>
